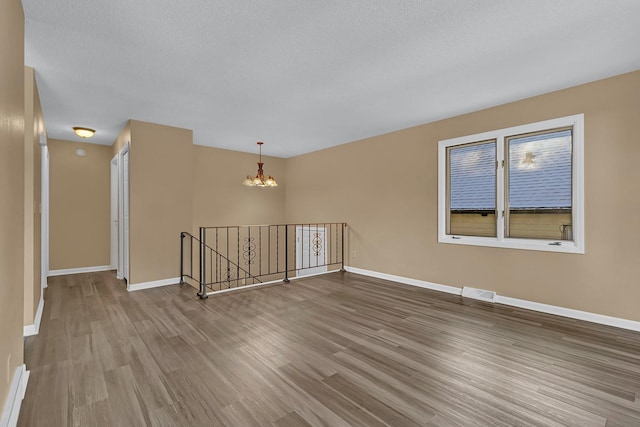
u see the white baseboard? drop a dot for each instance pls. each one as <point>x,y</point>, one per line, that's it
<point>514,302</point>
<point>617,322</point>
<point>413,282</point>
<point>79,270</point>
<point>17,390</point>
<point>35,328</point>
<point>154,284</point>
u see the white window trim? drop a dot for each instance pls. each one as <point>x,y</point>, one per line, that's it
<point>576,246</point>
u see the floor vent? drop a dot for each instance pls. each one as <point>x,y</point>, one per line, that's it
<point>480,294</point>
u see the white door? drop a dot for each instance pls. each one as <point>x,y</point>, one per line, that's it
<point>114,215</point>
<point>125,211</point>
<point>311,250</point>
<point>44,211</point>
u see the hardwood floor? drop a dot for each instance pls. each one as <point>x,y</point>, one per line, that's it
<point>338,349</point>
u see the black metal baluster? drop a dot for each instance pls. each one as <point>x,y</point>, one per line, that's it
<point>260,250</point>
<point>227,257</point>
<point>203,290</point>
<point>286,254</point>
<point>343,227</point>
<point>337,245</point>
<point>181,258</point>
<point>218,266</point>
<point>308,245</point>
<point>323,248</point>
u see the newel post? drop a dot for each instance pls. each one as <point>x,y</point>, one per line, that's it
<point>203,268</point>
<point>286,254</point>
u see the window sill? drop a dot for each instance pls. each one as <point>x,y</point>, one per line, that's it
<point>525,244</point>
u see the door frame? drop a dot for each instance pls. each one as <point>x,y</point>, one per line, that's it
<point>114,208</point>
<point>123,215</point>
<point>44,210</point>
<point>120,241</point>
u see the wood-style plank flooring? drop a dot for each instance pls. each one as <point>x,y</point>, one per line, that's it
<point>339,349</point>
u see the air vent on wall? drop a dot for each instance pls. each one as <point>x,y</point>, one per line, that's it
<point>480,294</point>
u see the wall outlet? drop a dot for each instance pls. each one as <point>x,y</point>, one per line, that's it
<point>354,254</point>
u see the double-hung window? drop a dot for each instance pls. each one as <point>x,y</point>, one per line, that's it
<point>521,187</point>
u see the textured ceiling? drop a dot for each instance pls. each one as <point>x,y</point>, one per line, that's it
<point>305,75</point>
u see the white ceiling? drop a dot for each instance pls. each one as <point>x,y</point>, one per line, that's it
<point>305,75</point>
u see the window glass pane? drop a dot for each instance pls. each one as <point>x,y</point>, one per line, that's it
<point>539,185</point>
<point>472,189</point>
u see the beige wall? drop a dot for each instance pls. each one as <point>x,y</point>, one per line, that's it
<point>79,205</point>
<point>219,198</point>
<point>34,126</point>
<point>161,165</point>
<point>11,191</point>
<point>386,188</point>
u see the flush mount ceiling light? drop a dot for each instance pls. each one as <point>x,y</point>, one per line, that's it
<point>259,180</point>
<point>84,132</point>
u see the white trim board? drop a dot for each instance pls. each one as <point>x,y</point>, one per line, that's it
<point>407,281</point>
<point>601,319</point>
<point>79,270</point>
<point>255,285</point>
<point>153,284</point>
<point>17,390</point>
<point>617,322</point>
<point>35,328</point>
<point>271,282</point>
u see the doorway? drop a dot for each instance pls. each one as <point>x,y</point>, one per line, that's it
<point>120,213</point>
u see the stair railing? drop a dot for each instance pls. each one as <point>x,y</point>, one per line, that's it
<point>230,257</point>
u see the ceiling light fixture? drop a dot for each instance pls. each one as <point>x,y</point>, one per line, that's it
<point>259,180</point>
<point>84,132</point>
